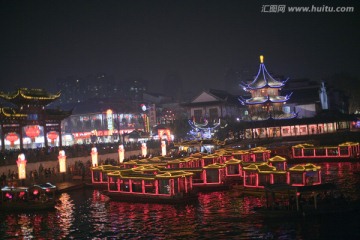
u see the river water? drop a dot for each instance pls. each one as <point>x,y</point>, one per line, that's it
<point>86,214</point>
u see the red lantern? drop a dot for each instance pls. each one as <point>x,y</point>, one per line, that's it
<point>52,136</point>
<point>12,138</point>
<point>32,132</point>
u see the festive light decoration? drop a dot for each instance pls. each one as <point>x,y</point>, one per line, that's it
<point>163,148</point>
<point>166,131</point>
<point>32,132</point>
<point>62,161</point>
<point>32,94</point>
<point>143,149</point>
<point>263,79</point>
<point>9,112</point>
<point>203,130</point>
<point>53,136</point>
<point>110,121</point>
<point>94,157</point>
<point>21,163</point>
<point>12,138</point>
<point>121,153</point>
<point>143,107</point>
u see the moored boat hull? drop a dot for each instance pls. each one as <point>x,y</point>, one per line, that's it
<point>211,187</point>
<point>151,198</point>
<point>27,206</point>
<point>100,186</point>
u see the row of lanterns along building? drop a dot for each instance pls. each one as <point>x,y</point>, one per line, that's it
<point>63,166</point>
<point>34,137</point>
<point>32,132</point>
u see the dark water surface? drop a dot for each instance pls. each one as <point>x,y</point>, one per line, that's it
<point>86,214</point>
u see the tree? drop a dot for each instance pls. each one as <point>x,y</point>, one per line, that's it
<point>180,128</point>
<point>350,85</point>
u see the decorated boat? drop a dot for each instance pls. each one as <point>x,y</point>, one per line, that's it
<point>99,177</point>
<point>256,177</point>
<point>136,185</point>
<point>33,198</point>
<point>210,178</point>
<point>308,152</point>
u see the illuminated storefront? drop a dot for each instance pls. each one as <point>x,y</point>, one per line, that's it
<point>102,127</point>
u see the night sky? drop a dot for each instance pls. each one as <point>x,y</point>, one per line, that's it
<point>199,40</point>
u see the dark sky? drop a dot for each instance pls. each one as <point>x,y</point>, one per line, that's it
<point>41,41</point>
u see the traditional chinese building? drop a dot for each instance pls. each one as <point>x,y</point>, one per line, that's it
<point>211,105</point>
<point>265,101</point>
<point>28,117</point>
<point>208,108</point>
<point>269,109</point>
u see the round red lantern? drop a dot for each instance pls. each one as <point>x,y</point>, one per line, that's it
<point>52,136</point>
<point>12,138</point>
<point>32,132</point>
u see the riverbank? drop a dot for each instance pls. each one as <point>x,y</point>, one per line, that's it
<point>11,171</point>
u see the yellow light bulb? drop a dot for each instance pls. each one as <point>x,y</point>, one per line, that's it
<point>261,59</point>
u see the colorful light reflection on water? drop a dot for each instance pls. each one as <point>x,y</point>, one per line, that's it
<point>86,214</point>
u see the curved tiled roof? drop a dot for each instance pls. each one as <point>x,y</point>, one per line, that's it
<point>264,99</point>
<point>25,95</point>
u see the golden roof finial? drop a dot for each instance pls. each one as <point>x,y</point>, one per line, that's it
<point>261,59</point>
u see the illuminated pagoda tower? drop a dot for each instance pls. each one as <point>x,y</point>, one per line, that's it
<point>30,118</point>
<point>265,101</point>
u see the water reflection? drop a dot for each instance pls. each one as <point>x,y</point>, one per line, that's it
<point>26,228</point>
<point>98,212</point>
<point>65,214</point>
<point>27,225</point>
<point>87,214</point>
<point>131,220</point>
